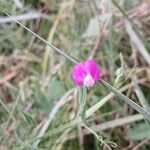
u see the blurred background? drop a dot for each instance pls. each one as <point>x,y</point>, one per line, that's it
<point>36,86</point>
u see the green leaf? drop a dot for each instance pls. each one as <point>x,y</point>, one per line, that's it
<point>139,132</point>
<point>45,106</point>
<point>55,89</point>
<point>94,25</point>
<point>119,79</point>
<point>27,117</point>
<point>93,28</point>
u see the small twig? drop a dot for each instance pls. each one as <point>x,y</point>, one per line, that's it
<point>134,54</point>
<point>8,77</point>
<point>131,143</point>
<point>140,144</point>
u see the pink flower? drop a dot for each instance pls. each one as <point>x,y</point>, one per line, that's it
<point>86,73</point>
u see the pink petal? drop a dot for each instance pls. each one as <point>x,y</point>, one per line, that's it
<point>88,81</point>
<point>79,73</point>
<point>93,69</point>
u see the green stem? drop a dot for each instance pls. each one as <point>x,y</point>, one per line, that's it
<point>97,136</point>
<point>43,40</point>
<point>82,103</point>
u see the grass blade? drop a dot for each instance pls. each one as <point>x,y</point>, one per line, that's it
<point>43,40</point>
<point>99,104</point>
<point>138,108</point>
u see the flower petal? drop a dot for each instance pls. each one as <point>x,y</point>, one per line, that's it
<point>92,68</point>
<point>88,81</point>
<point>79,73</point>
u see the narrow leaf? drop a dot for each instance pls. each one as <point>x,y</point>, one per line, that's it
<point>43,40</point>
<point>135,106</point>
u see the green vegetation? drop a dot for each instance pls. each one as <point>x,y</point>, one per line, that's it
<point>41,107</point>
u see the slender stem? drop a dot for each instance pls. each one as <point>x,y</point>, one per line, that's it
<point>96,135</point>
<point>82,103</point>
<point>43,40</point>
<point>60,129</point>
<point>138,108</point>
